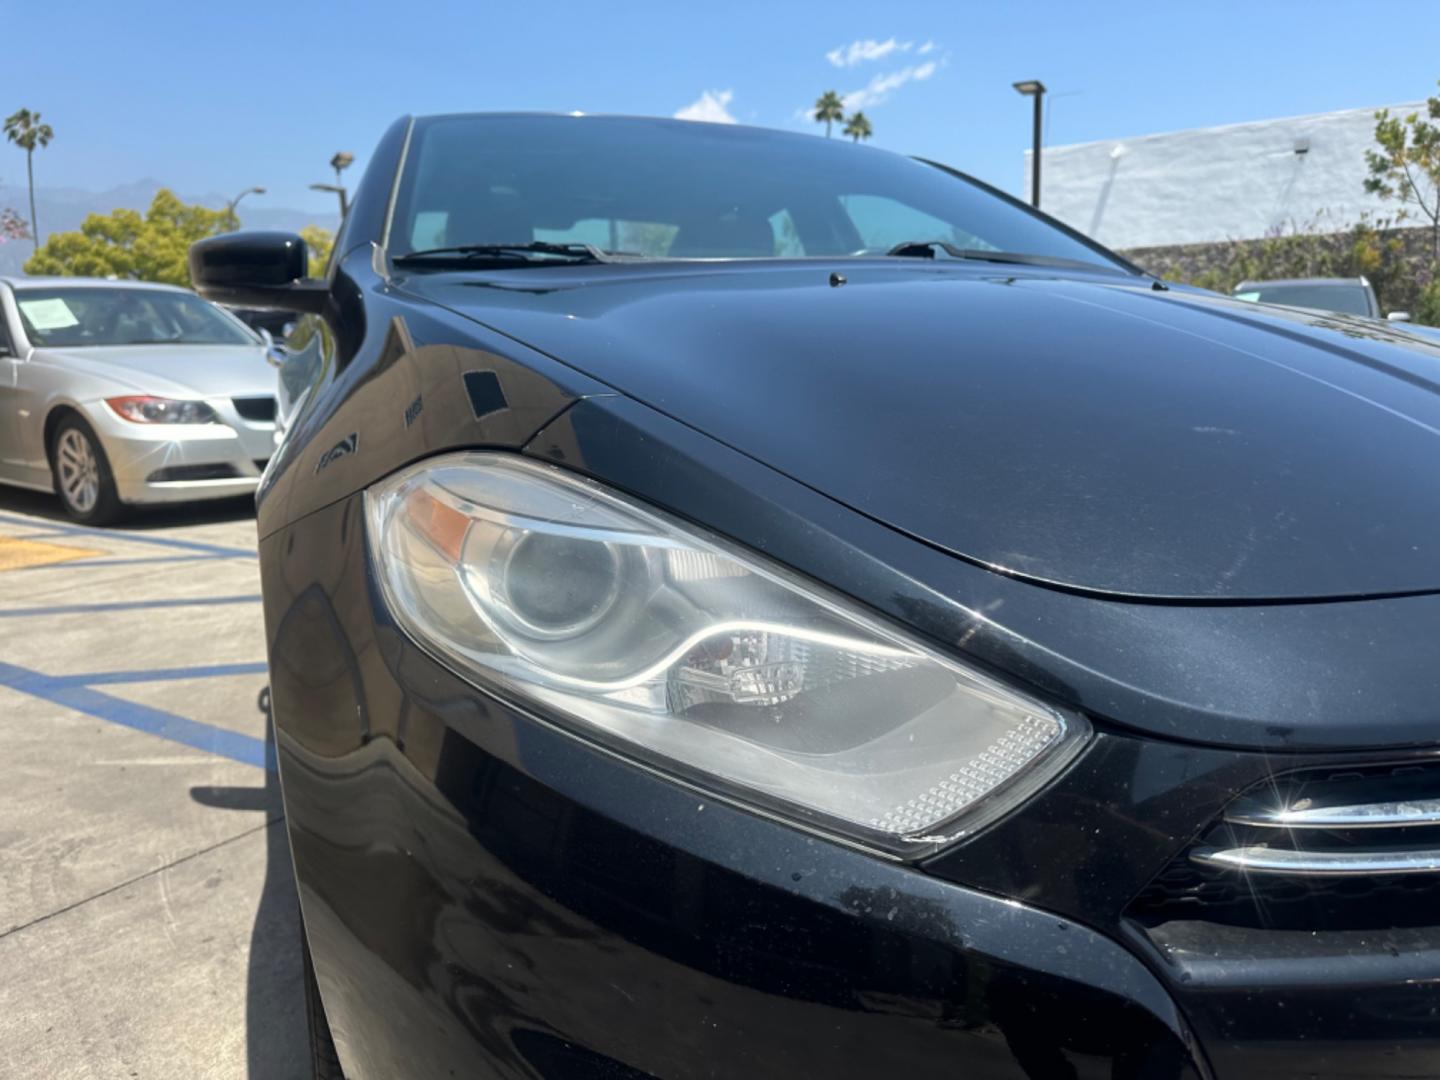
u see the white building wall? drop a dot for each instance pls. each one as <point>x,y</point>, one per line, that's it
<point>1236,182</point>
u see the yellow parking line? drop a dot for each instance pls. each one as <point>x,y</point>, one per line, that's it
<point>16,553</point>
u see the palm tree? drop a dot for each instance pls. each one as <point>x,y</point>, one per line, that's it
<point>25,130</point>
<point>828,109</point>
<point>858,127</point>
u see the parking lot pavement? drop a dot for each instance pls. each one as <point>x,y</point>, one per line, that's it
<point>148,920</point>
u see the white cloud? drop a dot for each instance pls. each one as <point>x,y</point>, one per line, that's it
<point>882,86</point>
<point>926,49</point>
<point>857,52</point>
<point>712,106</point>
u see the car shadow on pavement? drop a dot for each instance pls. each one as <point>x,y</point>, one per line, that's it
<point>276,1040</point>
<point>141,518</point>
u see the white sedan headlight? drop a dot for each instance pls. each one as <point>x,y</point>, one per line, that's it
<point>671,647</point>
<point>148,409</point>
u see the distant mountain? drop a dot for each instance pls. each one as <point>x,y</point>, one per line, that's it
<point>63,209</point>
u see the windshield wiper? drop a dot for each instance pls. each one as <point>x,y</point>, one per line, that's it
<point>523,252</point>
<point>925,249</point>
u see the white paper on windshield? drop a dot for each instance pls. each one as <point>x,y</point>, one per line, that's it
<point>1253,297</point>
<point>50,314</point>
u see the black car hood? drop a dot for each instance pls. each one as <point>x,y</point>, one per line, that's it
<point>1085,431</point>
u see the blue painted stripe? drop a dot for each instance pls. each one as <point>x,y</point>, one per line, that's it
<point>104,678</point>
<point>128,537</point>
<point>125,605</point>
<point>101,561</point>
<point>214,740</point>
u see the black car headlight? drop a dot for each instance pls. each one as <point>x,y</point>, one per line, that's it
<point>677,649</point>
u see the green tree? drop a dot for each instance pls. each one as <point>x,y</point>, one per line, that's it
<point>129,245</point>
<point>320,242</point>
<point>1372,247</point>
<point>858,127</point>
<point>1406,167</point>
<point>828,109</point>
<point>24,129</point>
<point>1427,305</point>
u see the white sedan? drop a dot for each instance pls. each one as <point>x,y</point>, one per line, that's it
<point>120,393</point>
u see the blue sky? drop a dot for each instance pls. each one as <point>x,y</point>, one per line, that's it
<point>210,98</point>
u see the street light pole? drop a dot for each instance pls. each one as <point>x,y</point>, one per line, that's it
<point>230,209</point>
<point>340,162</point>
<point>1034,88</point>
<point>335,189</point>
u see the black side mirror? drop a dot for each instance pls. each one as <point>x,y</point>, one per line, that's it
<point>256,270</point>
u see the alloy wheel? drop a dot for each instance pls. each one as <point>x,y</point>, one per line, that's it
<point>79,470</point>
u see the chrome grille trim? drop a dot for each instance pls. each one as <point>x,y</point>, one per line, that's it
<point>1337,847</point>
<point>1265,860</point>
<point>1378,815</point>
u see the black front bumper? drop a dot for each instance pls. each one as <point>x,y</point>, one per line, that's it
<point>550,907</point>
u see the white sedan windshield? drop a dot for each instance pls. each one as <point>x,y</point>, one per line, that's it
<point>71,317</point>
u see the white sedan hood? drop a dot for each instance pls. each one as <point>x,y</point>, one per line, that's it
<point>179,371</point>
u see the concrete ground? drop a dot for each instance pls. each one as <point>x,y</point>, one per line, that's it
<point>148,921</point>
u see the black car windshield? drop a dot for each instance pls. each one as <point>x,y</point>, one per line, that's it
<point>1342,297</point>
<point>682,189</point>
<point>61,317</point>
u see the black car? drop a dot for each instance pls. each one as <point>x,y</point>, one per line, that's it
<point>743,604</point>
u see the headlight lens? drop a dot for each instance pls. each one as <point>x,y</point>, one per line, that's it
<point>144,409</point>
<point>679,650</point>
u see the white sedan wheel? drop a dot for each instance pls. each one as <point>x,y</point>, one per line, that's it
<point>79,470</point>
